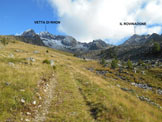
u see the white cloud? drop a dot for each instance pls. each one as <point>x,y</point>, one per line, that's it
<point>18,34</point>
<point>93,19</point>
<point>147,30</point>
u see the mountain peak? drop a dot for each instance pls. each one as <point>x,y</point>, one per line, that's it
<point>136,39</point>
<point>29,33</point>
<point>46,34</point>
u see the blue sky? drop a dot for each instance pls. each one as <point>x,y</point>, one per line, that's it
<point>85,20</point>
<point>16,16</point>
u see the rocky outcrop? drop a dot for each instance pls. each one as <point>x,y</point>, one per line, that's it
<point>29,36</point>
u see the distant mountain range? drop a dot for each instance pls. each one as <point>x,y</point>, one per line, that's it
<point>135,48</point>
<point>64,43</point>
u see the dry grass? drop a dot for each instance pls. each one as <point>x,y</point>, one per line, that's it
<point>80,95</point>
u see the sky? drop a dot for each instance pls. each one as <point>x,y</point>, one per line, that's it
<point>85,20</point>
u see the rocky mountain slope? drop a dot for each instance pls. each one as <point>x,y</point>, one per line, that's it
<point>64,43</point>
<point>29,36</point>
<point>135,48</point>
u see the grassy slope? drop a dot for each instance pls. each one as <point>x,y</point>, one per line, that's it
<point>79,95</point>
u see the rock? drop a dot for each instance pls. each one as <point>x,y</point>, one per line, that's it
<point>159,91</point>
<point>143,72</point>
<point>30,59</point>
<point>34,102</point>
<point>90,69</point>
<point>9,120</point>
<point>144,98</point>
<point>17,50</point>
<point>119,65</point>
<point>120,70</point>
<point>22,100</point>
<point>11,64</point>
<point>7,83</point>
<point>27,120</point>
<point>28,113</point>
<point>143,86</point>
<point>11,55</point>
<point>118,85</point>
<point>101,72</point>
<point>52,62</point>
<point>125,89</point>
<point>36,52</point>
<point>22,90</point>
<point>133,84</point>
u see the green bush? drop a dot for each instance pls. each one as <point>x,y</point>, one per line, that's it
<point>156,47</point>
<point>103,62</point>
<point>114,64</point>
<point>54,67</point>
<point>4,41</point>
<point>46,61</point>
<point>129,64</point>
<point>140,62</point>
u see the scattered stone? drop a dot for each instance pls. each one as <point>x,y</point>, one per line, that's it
<point>119,65</point>
<point>17,50</point>
<point>36,52</point>
<point>22,90</point>
<point>159,91</point>
<point>34,102</point>
<point>22,100</point>
<point>11,64</point>
<point>90,69</point>
<point>11,55</point>
<point>7,83</point>
<point>52,62</point>
<point>118,85</point>
<point>143,72</point>
<point>30,59</point>
<point>120,70</point>
<point>126,89</point>
<point>143,86</point>
<point>9,120</point>
<point>144,98</point>
<point>133,84</point>
<point>101,72</point>
<point>27,120</point>
<point>28,113</point>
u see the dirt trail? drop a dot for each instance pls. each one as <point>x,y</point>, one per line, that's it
<point>49,94</point>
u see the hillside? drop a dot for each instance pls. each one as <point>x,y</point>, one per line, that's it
<point>40,84</point>
<point>135,48</point>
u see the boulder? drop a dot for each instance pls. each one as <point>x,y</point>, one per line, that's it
<point>30,59</point>
<point>36,52</point>
<point>52,62</point>
<point>11,64</point>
